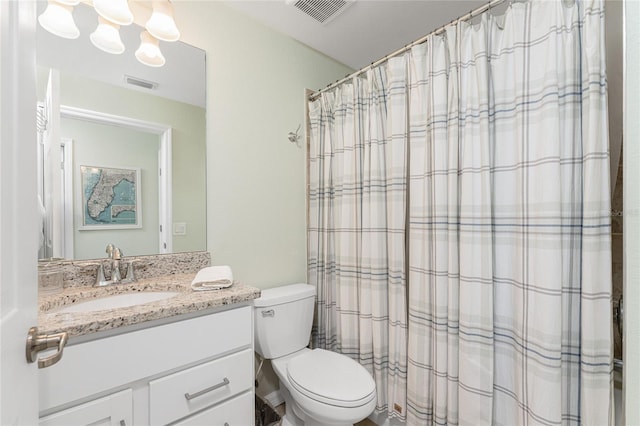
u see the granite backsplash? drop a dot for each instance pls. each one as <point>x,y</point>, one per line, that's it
<point>81,273</point>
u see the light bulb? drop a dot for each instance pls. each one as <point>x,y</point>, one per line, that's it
<point>161,24</point>
<point>149,51</point>
<point>116,11</point>
<point>106,37</point>
<point>58,20</point>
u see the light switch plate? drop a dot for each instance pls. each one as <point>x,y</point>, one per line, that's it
<point>179,228</point>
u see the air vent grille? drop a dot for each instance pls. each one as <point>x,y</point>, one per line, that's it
<point>323,11</point>
<point>135,81</point>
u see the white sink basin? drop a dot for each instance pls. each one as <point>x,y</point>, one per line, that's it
<point>117,301</point>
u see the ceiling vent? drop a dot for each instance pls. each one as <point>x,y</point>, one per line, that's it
<point>135,81</point>
<point>323,11</point>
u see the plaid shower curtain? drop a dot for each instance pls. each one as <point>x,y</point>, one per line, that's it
<point>356,232</point>
<point>505,185</point>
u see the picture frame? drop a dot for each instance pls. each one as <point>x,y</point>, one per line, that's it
<point>110,198</point>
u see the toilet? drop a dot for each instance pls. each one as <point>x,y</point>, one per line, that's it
<point>319,387</point>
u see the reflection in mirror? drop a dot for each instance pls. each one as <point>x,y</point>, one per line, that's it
<point>78,87</point>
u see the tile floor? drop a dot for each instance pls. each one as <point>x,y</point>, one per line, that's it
<point>366,422</point>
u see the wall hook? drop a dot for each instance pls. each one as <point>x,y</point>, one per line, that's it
<point>294,137</point>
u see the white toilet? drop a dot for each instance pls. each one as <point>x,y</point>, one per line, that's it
<point>319,387</point>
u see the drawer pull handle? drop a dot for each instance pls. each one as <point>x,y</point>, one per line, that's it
<point>189,396</point>
<point>269,313</point>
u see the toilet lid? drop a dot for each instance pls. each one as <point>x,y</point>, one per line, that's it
<point>331,378</point>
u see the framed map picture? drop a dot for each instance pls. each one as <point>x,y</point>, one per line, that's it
<point>110,198</point>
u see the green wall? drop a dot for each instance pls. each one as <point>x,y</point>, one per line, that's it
<point>256,191</point>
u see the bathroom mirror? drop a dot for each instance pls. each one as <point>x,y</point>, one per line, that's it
<point>167,101</point>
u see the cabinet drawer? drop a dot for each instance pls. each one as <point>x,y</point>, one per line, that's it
<point>185,392</point>
<point>125,358</point>
<point>238,411</point>
<point>111,410</point>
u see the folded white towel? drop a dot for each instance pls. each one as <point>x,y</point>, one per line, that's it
<point>213,278</point>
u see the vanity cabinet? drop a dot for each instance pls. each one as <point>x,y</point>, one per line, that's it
<point>233,412</point>
<point>177,395</point>
<point>112,410</point>
<point>193,371</point>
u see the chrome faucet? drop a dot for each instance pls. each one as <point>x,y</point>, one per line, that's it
<point>115,265</point>
<point>116,257</point>
<point>109,250</point>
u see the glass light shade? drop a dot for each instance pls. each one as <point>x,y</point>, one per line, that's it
<point>149,51</point>
<point>116,11</point>
<point>161,24</point>
<point>57,19</point>
<point>107,37</point>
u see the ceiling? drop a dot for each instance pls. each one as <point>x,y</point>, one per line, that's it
<point>363,32</point>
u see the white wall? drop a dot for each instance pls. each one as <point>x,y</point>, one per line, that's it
<point>256,216</point>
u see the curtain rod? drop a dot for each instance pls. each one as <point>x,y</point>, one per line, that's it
<point>473,13</point>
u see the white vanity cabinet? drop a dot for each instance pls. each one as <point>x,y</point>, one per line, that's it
<point>192,371</point>
<point>111,410</point>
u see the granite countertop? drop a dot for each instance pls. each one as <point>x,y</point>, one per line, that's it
<point>187,301</point>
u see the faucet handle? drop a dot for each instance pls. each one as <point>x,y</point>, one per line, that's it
<point>131,276</point>
<point>117,254</point>
<point>115,274</point>
<point>100,279</point>
<point>109,250</point>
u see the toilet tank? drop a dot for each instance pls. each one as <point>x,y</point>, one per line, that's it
<point>283,317</point>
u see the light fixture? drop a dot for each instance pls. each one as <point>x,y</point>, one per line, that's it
<point>161,24</point>
<point>116,11</point>
<point>57,19</point>
<point>149,51</point>
<point>106,37</point>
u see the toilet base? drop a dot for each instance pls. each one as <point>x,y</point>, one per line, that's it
<point>286,421</point>
<point>294,416</point>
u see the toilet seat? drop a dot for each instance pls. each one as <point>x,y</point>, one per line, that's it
<point>331,378</point>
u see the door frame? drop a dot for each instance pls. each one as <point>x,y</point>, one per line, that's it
<point>18,211</point>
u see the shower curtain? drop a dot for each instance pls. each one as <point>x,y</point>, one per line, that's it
<point>505,209</point>
<point>357,220</point>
